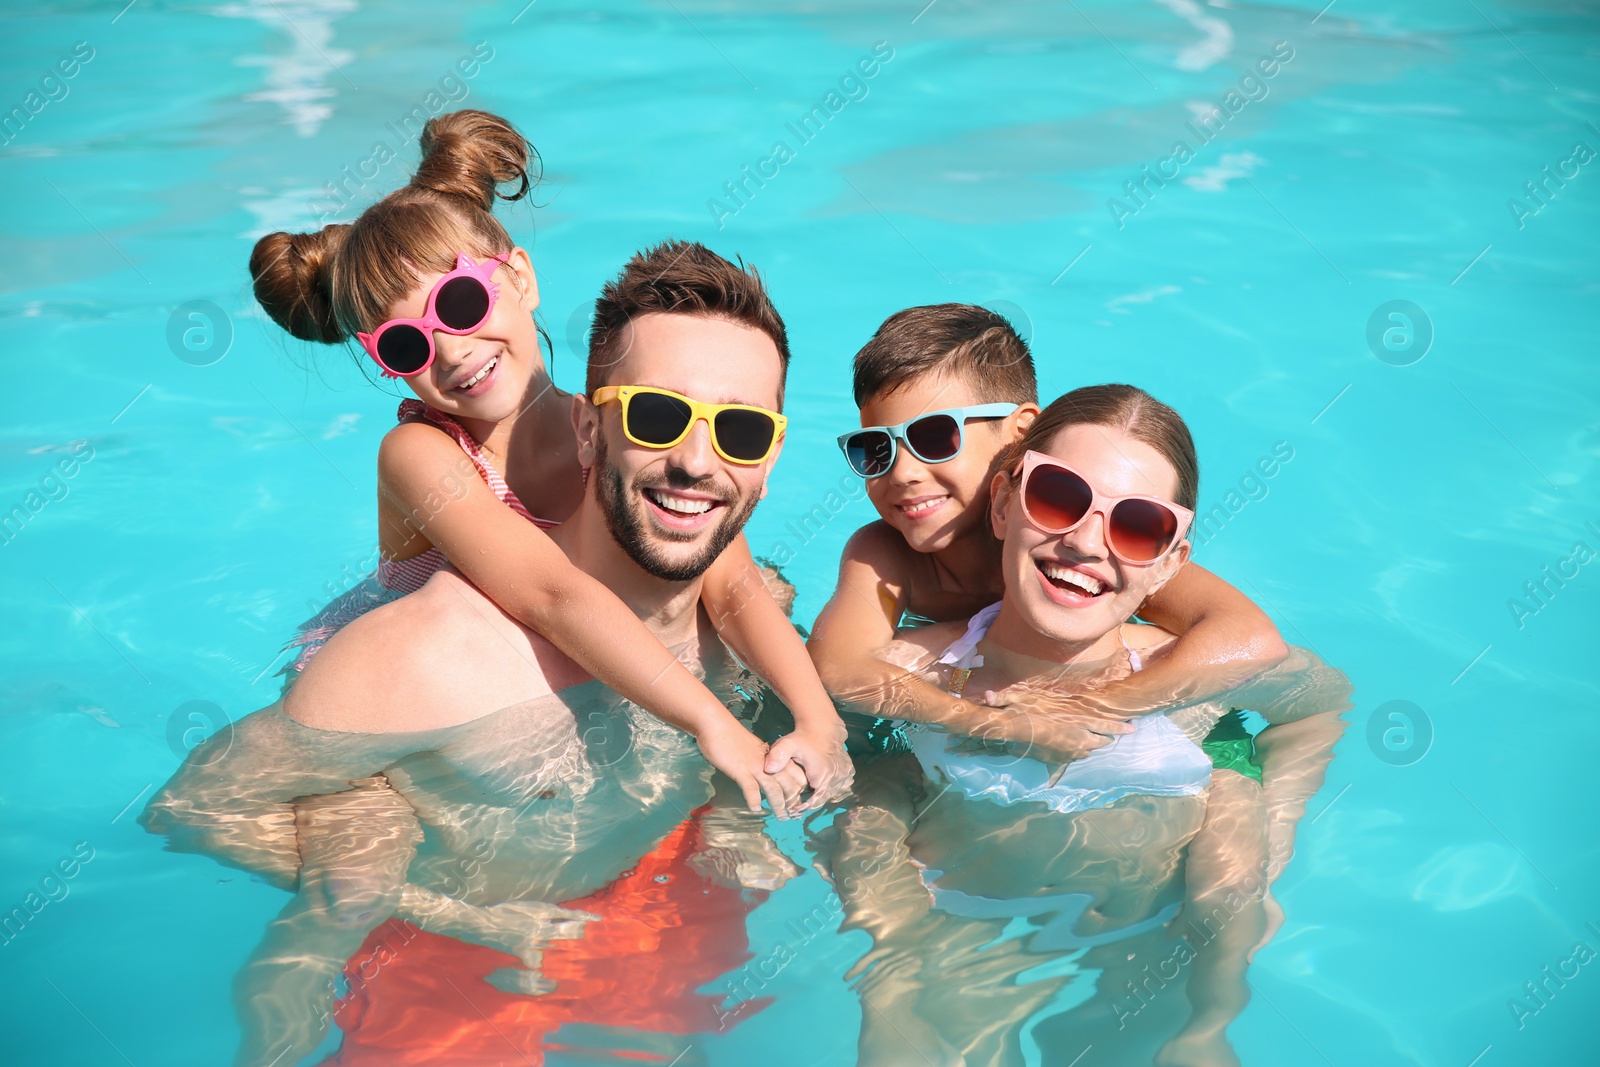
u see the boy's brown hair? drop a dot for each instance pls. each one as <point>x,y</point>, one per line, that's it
<point>683,278</point>
<point>971,342</point>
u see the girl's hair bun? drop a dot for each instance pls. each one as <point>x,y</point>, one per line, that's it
<point>470,154</point>
<point>293,275</point>
<point>325,286</point>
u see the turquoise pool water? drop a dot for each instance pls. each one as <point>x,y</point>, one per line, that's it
<point>184,502</point>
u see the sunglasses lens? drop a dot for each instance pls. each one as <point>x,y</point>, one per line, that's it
<point>654,419</point>
<point>1141,530</point>
<point>462,303</point>
<point>403,349</point>
<point>745,435</point>
<point>870,454</point>
<point>935,438</point>
<point>1056,498</point>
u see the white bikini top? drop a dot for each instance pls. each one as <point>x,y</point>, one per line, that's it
<point>1157,759</point>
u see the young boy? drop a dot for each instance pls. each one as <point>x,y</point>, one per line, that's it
<point>932,555</point>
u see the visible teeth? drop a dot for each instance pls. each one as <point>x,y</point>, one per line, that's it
<point>923,506</point>
<point>680,505</point>
<point>1058,573</point>
<point>481,375</point>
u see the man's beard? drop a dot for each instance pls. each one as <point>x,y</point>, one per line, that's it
<point>627,523</point>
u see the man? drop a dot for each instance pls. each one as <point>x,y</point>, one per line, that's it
<point>651,522</point>
<point>465,732</point>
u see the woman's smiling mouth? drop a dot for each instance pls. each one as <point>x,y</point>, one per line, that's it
<point>1069,585</point>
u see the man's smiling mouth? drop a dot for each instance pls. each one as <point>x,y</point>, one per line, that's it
<point>681,509</point>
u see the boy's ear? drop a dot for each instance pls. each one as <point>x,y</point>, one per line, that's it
<point>526,281</point>
<point>586,425</point>
<point>1018,421</point>
<point>1000,494</point>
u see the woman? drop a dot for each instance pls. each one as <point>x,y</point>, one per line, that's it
<point>1001,892</point>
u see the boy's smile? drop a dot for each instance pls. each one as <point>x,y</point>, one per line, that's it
<point>933,504</point>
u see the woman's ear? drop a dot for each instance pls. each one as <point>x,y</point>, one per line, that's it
<point>586,425</point>
<point>1169,566</point>
<point>523,277</point>
<point>1000,494</point>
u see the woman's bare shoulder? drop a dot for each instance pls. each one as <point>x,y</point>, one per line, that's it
<point>1147,639</point>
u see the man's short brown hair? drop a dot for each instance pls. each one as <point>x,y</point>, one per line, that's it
<point>965,340</point>
<point>681,278</point>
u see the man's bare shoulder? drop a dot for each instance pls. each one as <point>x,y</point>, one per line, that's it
<point>439,657</point>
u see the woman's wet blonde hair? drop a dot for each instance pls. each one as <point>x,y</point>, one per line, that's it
<point>1123,407</point>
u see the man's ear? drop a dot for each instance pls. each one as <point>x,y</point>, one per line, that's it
<point>1000,494</point>
<point>586,426</point>
<point>524,279</point>
<point>772,460</point>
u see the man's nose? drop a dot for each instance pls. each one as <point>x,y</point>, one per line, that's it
<point>695,454</point>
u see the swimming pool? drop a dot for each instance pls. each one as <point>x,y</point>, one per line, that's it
<point>191,486</point>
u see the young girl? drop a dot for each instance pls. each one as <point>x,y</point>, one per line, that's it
<point>431,285</point>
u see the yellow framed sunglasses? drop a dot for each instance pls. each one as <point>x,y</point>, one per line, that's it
<point>660,418</point>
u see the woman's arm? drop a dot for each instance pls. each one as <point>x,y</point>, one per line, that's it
<point>1226,916</point>
<point>1302,700</point>
<point>868,855</point>
<point>1247,840</point>
<point>517,566</point>
<point>741,607</point>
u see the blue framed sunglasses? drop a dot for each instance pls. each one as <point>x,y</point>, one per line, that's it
<point>936,437</point>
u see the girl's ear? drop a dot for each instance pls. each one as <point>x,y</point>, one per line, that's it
<point>586,425</point>
<point>523,277</point>
<point>1000,494</point>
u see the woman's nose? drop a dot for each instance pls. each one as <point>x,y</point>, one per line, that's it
<point>1088,538</point>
